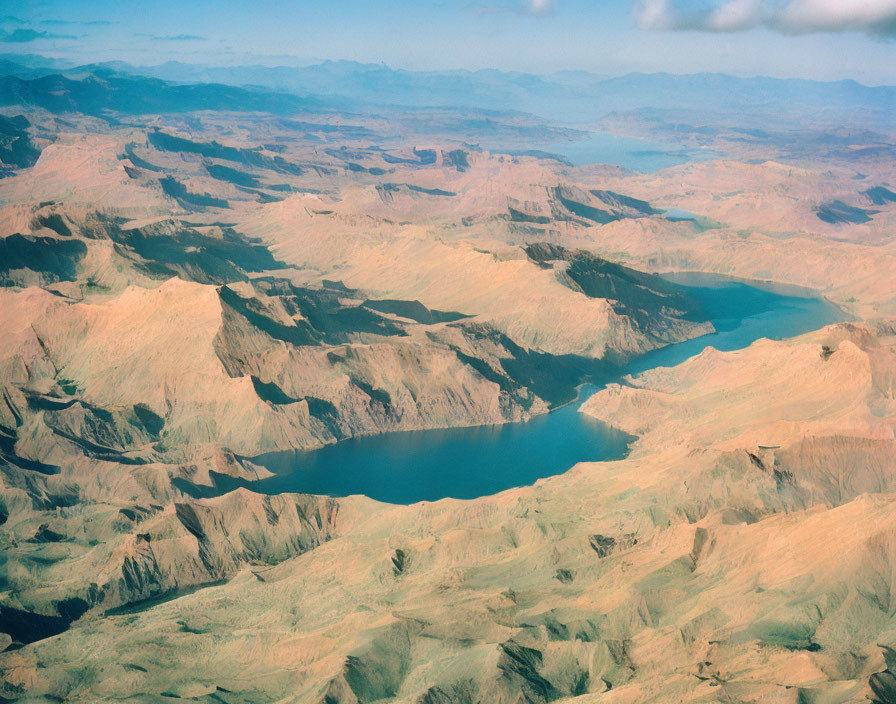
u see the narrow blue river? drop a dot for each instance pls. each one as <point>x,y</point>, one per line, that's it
<point>464,463</point>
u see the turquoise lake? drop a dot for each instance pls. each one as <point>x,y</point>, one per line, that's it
<point>464,463</point>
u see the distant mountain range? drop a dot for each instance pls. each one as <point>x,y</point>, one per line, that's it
<point>98,91</point>
<point>568,96</point>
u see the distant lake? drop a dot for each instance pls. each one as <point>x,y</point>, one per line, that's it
<point>464,463</point>
<point>638,154</point>
<point>679,214</point>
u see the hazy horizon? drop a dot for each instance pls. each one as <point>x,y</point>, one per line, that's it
<point>812,39</point>
<point>288,62</point>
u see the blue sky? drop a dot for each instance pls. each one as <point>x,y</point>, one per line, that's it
<point>823,39</point>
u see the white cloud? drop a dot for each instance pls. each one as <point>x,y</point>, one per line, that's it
<point>875,17</point>
<point>540,7</point>
<point>734,16</point>
<point>653,14</point>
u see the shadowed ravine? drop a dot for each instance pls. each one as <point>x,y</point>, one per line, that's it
<point>464,463</point>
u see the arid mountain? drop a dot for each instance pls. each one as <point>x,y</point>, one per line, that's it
<point>194,276</point>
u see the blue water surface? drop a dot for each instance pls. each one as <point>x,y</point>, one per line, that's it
<point>637,154</point>
<point>464,463</point>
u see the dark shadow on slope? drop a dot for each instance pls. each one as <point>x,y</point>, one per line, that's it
<point>54,259</point>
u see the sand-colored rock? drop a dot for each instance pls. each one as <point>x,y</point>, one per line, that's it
<point>744,551</point>
<point>732,569</point>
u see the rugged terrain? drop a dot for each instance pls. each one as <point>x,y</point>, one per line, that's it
<point>188,284</point>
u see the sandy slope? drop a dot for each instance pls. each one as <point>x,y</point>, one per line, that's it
<point>702,566</point>
<point>744,551</point>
